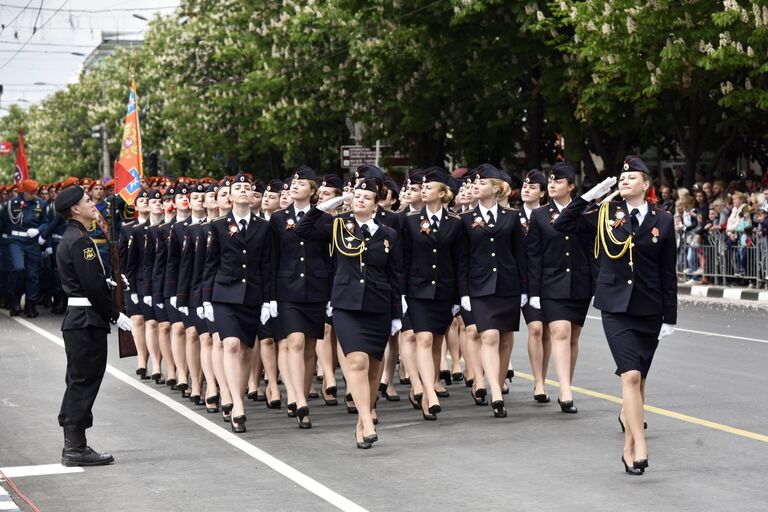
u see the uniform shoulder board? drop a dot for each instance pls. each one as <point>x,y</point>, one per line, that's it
<point>130,224</point>
<point>415,212</point>
<point>219,218</point>
<point>454,215</point>
<point>662,210</point>
<point>468,212</point>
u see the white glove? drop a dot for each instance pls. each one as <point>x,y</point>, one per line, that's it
<point>331,203</point>
<point>265,314</point>
<point>124,323</point>
<point>600,189</point>
<point>173,302</point>
<point>208,307</point>
<point>609,197</point>
<point>329,309</point>
<point>49,251</point>
<point>666,330</point>
<point>33,232</point>
<point>535,302</point>
<point>183,310</point>
<point>41,241</point>
<point>110,283</point>
<point>396,326</point>
<point>200,312</point>
<point>161,305</point>
<point>465,303</point>
<point>147,300</point>
<point>523,299</point>
<point>135,298</point>
<point>405,305</point>
<point>125,280</point>
<point>273,308</point>
<point>455,309</point>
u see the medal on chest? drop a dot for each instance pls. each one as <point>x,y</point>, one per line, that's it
<point>232,230</point>
<point>478,221</point>
<point>424,226</point>
<point>290,224</point>
<point>655,235</point>
<point>619,218</point>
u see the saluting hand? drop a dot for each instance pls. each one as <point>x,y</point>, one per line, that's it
<point>600,189</point>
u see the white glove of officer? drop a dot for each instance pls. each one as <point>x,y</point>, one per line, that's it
<point>135,298</point>
<point>395,326</point>
<point>208,308</point>
<point>147,299</point>
<point>666,330</point>
<point>273,308</point>
<point>405,305</point>
<point>184,310</point>
<point>600,189</point>
<point>535,302</point>
<point>455,309</point>
<point>523,299</point>
<point>265,314</point>
<point>465,303</point>
<point>331,204</point>
<point>33,232</point>
<point>124,323</point>
<point>125,281</point>
<point>41,241</point>
<point>329,309</point>
<point>111,283</point>
<point>200,312</point>
<point>49,251</point>
<point>173,302</point>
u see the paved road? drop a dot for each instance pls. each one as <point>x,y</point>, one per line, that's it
<point>172,457</point>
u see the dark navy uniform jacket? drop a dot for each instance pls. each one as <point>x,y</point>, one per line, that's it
<point>558,263</point>
<point>647,288</point>
<point>371,282</point>
<point>190,287</point>
<point>431,258</point>
<point>28,214</point>
<point>174,247</point>
<point>82,275</point>
<point>238,264</point>
<point>161,233</point>
<point>135,256</point>
<point>388,218</point>
<point>302,265</point>
<point>494,261</point>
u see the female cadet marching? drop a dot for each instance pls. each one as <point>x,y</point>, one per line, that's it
<point>534,190</point>
<point>493,281</point>
<point>301,277</point>
<point>236,281</point>
<point>636,287</point>
<point>433,241</point>
<point>365,298</point>
<point>560,279</point>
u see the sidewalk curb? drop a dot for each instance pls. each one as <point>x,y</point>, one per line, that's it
<point>721,292</point>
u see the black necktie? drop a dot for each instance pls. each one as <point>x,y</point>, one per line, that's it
<point>635,223</point>
<point>299,216</point>
<point>490,218</point>
<point>435,224</point>
<point>366,231</point>
<point>243,225</point>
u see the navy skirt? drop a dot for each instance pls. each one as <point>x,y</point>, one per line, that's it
<point>493,312</point>
<point>430,315</point>
<point>407,323</point>
<point>632,340</point>
<point>572,310</point>
<point>201,324</point>
<point>237,321</point>
<point>131,309</point>
<point>189,320</point>
<point>265,330</point>
<point>307,318</point>
<point>173,313</point>
<point>148,312</point>
<point>533,315</point>
<point>467,316</point>
<point>358,331</point>
<point>160,314</point>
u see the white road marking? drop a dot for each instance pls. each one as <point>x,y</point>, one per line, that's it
<point>8,505</point>
<point>313,486</point>
<point>39,470</point>
<point>704,333</point>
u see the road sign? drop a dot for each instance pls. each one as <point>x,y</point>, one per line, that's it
<point>353,157</point>
<point>6,147</point>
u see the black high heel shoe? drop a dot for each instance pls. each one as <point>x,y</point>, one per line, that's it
<point>567,406</point>
<point>158,378</point>
<point>185,391</point>
<point>631,470</point>
<point>479,396</point>
<point>351,409</point>
<point>435,409</point>
<point>505,389</point>
<point>197,400</point>
<point>498,409</point>
<point>428,416</point>
<point>510,374</point>
<point>171,383</point>
<point>142,372</point>
<point>226,410</point>
<point>391,398</point>
<point>415,400</point>
<point>332,400</point>
<point>457,376</point>
<point>640,464</point>
<point>645,424</point>
<point>442,394</point>
<point>406,381</point>
<point>238,424</point>
<point>371,438</point>
<point>382,389</point>
<point>362,445</point>
<point>541,398</point>
<point>447,377</point>
<point>301,413</point>
<point>212,400</point>
<point>469,382</point>
<point>252,395</point>
<point>291,410</point>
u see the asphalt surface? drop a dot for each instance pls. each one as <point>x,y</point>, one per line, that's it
<point>535,459</point>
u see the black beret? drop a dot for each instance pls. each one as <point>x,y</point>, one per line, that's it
<point>287,183</point>
<point>488,171</point>
<point>305,172</point>
<point>536,176</point>
<point>368,184</point>
<point>169,192</point>
<point>259,186</point>
<point>274,186</point>
<point>181,189</point>
<point>226,181</point>
<point>332,181</point>
<point>199,187</point>
<point>241,177</point>
<point>562,170</point>
<point>392,185</point>
<point>155,194</point>
<point>437,174</point>
<point>634,163</point>
<point>369,171</point>
<point>68,198</point>
<point>213,187</point>
<point>144,193</point>
<point>415,177</point>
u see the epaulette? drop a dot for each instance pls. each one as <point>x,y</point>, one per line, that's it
<point>129,224</point>
<point>453,214</point>
<point>219,217</point>
<point>662,210</point>
<point>467,212</point>
<point>415,212</point>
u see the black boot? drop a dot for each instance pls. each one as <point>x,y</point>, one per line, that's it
<point>3,301</point>
<point>31,309</point>
<point>76,451</point>
<point>15,306</point>
<point>59,303</point>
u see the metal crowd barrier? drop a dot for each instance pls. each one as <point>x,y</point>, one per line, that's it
<point>718,259</point>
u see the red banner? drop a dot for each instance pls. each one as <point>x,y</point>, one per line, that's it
<point>22,171</point>
<point>128,168</point>
<point>6,147</point>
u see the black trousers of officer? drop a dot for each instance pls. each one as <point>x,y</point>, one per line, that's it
<point>86,362</point>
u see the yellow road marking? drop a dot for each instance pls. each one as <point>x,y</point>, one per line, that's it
<point>658,410</point>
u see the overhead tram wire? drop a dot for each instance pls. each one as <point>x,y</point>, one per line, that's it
<point>6,25</point>
<point>33,35</point>
<point>98,11</point>
<point>34,25</point>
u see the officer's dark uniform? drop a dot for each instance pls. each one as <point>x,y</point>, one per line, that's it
<point>173,248</point>
<point>191,265</point>
<point>99,236</point>
<point>85,328</point>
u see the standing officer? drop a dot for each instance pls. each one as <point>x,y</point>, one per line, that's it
<point>86,325</point>
<point>55,232</point>
<point>100,228</point>
<point>26,217</point>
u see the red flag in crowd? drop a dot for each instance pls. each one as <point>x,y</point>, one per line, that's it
<point>22,170</point>
<point>128,168</point>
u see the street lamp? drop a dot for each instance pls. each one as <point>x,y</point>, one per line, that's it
<point>140,17</point>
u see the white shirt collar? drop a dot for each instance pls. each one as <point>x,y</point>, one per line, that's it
<point>247,219</point>
<point>642,211</point>
<point>438,213</point>
<point>494,210</point>
<point>304,210</point>
<point>560,207</point>
<point>372,226</point>
<point>528,211</point>
<point>196,220</point>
